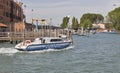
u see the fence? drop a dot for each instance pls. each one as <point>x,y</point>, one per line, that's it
<point>17,36</point>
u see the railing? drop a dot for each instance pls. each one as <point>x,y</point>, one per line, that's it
<point>4,34</point>
<point>13,36</point>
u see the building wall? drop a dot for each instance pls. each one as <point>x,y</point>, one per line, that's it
<point>19,27</point>
<point>99,27</point>
<point>102,26</point>
<point>5,11</point>
<point>10,11</point>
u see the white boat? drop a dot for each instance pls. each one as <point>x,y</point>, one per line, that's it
<point>83,32</point>
<point>44,43</point>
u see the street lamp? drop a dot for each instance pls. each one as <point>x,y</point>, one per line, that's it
<point>68,26</point>
<point>50,26</point>
<point>32,16</point>
<point>24,23</point>
<point>24,13</point>
<point>68,21</point>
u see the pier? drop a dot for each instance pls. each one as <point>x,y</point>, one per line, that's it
<point>31,35</point>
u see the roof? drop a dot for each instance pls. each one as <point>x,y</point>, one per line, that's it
<point>2,25</point>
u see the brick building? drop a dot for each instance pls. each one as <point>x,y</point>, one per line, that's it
<point>11,12</point>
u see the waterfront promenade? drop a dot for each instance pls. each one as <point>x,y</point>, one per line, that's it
<point>31,35</point>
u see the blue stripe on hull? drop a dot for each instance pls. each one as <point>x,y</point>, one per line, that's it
<point>48,46</point>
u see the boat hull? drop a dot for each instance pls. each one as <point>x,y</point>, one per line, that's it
<point>36,47</point>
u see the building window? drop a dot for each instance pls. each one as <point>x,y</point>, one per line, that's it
<point>1,7</point>
<point>7,14</point>
<point>7,3</point>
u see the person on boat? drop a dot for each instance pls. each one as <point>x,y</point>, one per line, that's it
<point>27,42</point>
<point>43,40</point>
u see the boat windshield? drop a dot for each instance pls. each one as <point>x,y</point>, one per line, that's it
<point>55,40</point>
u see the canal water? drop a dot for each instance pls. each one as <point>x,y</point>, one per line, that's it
<point>99,53</point>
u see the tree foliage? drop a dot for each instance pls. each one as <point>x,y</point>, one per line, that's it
<point>94,18</point>
<point>75,23</point>
<point>114,18</point>
<point>109,26</point>
<point>88,19</point>
<point>65,22</point>
<point>86,24</point>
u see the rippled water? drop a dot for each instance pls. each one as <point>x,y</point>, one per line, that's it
<point>99,53</point>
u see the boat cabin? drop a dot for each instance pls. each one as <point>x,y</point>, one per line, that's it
<point>49,40</point>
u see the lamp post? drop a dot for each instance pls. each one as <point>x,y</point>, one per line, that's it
<point>24,23</point>
<point>50,26</point>
<point>68,26</point>
<point>24,13</point>
<point>32,16</point>
<point>36,25</point>
<point>68,21</point>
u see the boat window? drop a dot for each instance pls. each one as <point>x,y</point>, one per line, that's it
<point>40,38</point>
<point>43,41</point>
<point>54,40</point>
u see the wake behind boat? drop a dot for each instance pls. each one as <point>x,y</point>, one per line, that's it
<point>44,43</point>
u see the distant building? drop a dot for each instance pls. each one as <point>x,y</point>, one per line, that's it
<point>100,27</point>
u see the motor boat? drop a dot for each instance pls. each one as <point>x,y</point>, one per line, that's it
<point>44,43</point>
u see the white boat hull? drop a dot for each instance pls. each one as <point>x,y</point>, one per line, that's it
<point>35,47</point>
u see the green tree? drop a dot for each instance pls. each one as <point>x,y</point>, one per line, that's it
<point>75,23</point>
<point>114,18</point>
<point>109,26</point>
<point>86,24</point>
<point>94,18</point>
<point>90,18</point>
<point>99,18</point>
<point>65,22</point>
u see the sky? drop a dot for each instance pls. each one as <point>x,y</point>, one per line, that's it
<point>57,9</point>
